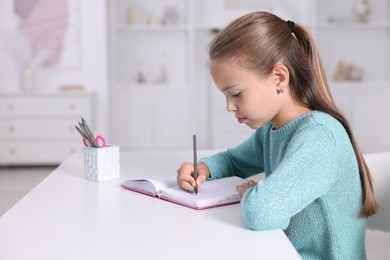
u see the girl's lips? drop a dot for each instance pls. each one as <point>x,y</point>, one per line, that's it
<point>241,119</point>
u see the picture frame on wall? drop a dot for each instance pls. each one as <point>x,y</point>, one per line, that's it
<point>49,33</point>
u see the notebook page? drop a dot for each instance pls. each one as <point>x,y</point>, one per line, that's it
<point>212,192</point>
<point>164,182</point>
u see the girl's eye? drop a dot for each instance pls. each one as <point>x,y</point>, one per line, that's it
<point>236,94</point>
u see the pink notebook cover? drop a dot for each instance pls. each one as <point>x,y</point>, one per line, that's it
<point>181,203</point>
<point>141,191</point>
<point>199,208</point>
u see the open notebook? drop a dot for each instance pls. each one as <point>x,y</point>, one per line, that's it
<point>213,193</point>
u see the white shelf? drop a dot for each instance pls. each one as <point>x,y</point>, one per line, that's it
<point>152,86</point>
<point>359,84</point>
<point>206,27</point>
<point>353,26</point>
<point>152,28</point>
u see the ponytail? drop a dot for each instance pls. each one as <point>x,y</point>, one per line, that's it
<point>326,104</point>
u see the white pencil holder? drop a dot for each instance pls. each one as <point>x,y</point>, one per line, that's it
<point>101,164</point>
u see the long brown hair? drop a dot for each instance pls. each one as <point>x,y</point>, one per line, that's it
<point>258,41</point>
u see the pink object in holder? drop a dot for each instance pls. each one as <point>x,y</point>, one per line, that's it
<point>98,138</point>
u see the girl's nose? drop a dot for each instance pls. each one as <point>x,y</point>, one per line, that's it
<point>230,106</point>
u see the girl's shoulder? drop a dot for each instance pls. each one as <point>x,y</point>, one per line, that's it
<point>317,120</point>
<point>322,119</point>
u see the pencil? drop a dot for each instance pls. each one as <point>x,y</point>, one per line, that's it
<point>195,164</point>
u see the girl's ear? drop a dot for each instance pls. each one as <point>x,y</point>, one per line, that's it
<point>281,75</point>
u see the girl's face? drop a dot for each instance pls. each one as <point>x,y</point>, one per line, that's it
<point>254,101</point>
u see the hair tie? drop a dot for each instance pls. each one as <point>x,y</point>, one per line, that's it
<point>291,25</point>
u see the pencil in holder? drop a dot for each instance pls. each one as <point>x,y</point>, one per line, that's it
<point>101,164</point>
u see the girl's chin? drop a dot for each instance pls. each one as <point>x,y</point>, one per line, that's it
<point>253,125</point>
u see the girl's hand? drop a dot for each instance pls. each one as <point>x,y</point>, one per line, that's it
<point>241,189</point>
<point>185,175</point>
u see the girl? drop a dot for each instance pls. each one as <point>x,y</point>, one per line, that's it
<point>318,188</point>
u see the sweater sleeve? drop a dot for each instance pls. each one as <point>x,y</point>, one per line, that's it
<point>305,173</point>
<point>245,160</point>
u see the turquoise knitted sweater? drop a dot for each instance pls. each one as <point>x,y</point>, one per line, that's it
<point>312,188</point>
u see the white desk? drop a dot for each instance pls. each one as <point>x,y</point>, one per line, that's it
<point>68,217</point>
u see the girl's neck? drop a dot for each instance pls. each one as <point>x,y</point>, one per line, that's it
<point>287,114</point>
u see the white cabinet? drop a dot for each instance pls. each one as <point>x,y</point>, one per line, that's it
<point>151,118</point>
<point>149,73</point>
<point>39,128</point>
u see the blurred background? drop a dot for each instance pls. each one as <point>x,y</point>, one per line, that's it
<point>137,71</point>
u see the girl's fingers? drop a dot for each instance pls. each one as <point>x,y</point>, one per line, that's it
<point>252,183</point>
<point>185,175</point>
<point>241,189</point>
<point>186,186</point>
